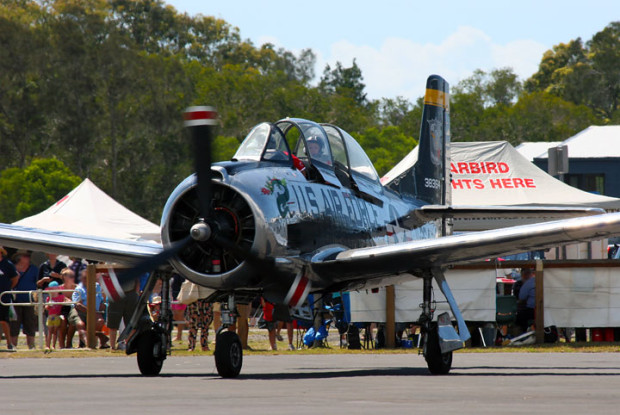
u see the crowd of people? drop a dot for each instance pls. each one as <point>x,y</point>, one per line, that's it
<point>62,283</point>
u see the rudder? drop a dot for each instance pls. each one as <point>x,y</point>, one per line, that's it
<point>426,179</point>
<point>431,173</point>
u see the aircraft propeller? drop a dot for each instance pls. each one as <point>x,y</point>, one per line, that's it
<point>201,122</point>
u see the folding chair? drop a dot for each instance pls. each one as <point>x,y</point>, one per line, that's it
<point>506,312</point>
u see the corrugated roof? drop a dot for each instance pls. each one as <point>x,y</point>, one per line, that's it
<point>531,150</point>
<point>593,142</point>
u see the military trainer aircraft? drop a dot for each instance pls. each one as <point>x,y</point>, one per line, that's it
<point>300,209</point>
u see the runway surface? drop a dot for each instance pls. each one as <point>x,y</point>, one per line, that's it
<point>481,383</point>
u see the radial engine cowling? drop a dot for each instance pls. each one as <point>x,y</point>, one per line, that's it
<point>204,262</point>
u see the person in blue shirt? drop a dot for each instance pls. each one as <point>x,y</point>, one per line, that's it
<point>527,299</point>
<point>8,279</point>
<point>77,316</point>
<point>26,317</point>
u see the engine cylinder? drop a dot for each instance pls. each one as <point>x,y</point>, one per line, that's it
<point>232,218</point>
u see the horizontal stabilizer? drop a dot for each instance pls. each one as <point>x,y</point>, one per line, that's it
<point>431,212</point>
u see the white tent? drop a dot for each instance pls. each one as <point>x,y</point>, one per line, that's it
<point>493,173</point>
<point>90,211</point>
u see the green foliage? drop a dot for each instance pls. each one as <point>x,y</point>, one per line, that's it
<point>102,84</point>
<point>344,81</point>
<point>25,192</point>
<point>584,74</point>
<point>386,146</point>
<point>494,107</point>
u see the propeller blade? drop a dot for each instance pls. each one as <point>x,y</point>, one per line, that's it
<point>201,122</point>
<point>112,284</point>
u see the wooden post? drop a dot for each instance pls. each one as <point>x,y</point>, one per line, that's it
<point>390,317</point>
<point>540,303</point>
<point>91,304</point>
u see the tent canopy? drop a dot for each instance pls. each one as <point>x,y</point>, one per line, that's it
<point>493,173</point>
<point>90,211</point>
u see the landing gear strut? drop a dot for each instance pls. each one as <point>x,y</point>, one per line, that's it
<point>150,338</point>
<point>440,337</point>
<point>438,363</point>
<point>228,351</point>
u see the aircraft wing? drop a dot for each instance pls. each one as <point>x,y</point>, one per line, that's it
<point>81,246</point>
<point>409,256</point>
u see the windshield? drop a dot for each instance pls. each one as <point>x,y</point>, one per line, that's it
<point>360,163</point>
<point>252,146</point>
<point>277,148</point>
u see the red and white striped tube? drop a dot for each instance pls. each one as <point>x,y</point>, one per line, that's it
<point>111,287</point>
<point>195,116</point>
<point>298,292</point>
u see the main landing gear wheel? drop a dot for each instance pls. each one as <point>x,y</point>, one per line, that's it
<point>228,354</point>
<point>151,353</point>
<point>438,363</point>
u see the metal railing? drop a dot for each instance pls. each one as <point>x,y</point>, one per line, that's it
<point>36,298</point>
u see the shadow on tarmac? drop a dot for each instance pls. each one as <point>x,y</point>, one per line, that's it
<point>313,373</point>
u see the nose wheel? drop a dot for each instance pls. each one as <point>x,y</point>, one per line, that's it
<point>151,353</point>
<point>228,354</point>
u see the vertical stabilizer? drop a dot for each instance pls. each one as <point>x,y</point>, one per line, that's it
<point>425,176</point>
<point>430,174</point>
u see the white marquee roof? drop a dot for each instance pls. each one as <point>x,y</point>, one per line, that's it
<point>521,183</point>
<point>90,211</point>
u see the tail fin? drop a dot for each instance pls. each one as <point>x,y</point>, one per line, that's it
<point>428,179</point>
<point>431,173</point>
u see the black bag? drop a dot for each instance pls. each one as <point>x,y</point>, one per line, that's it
<point>551,334</point>
<point>353,337</point>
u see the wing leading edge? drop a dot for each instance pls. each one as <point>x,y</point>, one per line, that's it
<point>410,256</point>
<point>76,245</point>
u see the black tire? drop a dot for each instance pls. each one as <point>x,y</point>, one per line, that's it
<point>228,354</point>
<point>151,354</point>
<point>438,363</point>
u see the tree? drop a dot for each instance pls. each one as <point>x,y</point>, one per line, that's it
<point>343,81</point>
<point>584,75</point>
<point>386,146</point>
<point>498,87</point>
<point>542,116</point>
<point>34,188</point>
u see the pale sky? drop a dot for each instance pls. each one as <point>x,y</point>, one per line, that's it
<point>398,43</point>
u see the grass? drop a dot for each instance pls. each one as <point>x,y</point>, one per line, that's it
<point>260,346</point>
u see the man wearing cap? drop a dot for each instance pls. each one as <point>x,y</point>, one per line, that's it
<point>8,279</point>
<point>27,281</point>
<point>77,316</point>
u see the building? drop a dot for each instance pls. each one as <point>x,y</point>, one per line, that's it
<point>594,160</point>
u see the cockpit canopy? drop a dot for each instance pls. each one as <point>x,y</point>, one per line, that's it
<point>323,146</point>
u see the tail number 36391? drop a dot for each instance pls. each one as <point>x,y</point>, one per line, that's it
<point>432,183</point>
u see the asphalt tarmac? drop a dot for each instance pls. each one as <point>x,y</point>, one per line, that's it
<point>480,383</point>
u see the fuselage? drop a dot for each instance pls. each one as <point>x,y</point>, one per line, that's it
<point>297,218</point>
